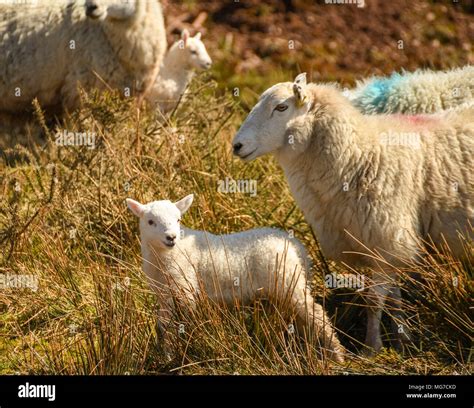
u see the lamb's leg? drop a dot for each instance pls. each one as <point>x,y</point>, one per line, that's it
<point>376,299</point>
<point>400,329</point>
<point>163,326</point>
<point>311,317</point>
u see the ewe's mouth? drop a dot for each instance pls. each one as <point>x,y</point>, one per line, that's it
<point>246,156</point>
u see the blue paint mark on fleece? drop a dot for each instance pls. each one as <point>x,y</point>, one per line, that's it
<point>378,90</point>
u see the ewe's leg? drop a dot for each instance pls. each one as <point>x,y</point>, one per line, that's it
<point>376,299</point>
<point>400,331</point>
<point>310,318</point>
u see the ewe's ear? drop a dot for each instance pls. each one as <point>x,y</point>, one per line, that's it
<point>184,204</point>
<point>198,36</point>
<point>135,207</point>
<point>185,36</point>
<point>299,89</point>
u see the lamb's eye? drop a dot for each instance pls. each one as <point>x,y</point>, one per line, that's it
<point>150,222</point>
<point>194,52</point>
<point>281,107</point>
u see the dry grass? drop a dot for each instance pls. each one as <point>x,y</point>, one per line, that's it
<point>64,221</point>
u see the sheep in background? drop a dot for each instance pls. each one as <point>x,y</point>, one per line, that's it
<point>243,266</point>
<point>177,70</point>
<point>46,52</point>
<point>421,91</point>
<point>384,181</point>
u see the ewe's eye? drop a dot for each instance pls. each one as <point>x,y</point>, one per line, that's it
<point>194,52</point>
<point>281,107</point>
<point>150,222</point>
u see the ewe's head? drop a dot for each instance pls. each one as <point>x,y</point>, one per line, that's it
<point>266,128</point>
<point>113,10</point>
<point>160,220</point>
<point>195,53</point>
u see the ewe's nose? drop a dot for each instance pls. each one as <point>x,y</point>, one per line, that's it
<point>91,10</point>
<point>237,147</point>
<point>208,64</point>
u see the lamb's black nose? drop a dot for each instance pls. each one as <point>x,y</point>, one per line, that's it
<point>171,238</point>
<point>237,147</point>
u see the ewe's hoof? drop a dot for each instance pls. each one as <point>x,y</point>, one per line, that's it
<point>369,351</point>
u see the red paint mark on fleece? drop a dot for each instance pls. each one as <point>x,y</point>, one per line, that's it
<point>417,119</point>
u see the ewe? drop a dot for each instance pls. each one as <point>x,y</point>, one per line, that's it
<point>47,51</point>
<point>226,268</point>
<point>177,70</point>
<point>387,182</point>
<point>415,92</point>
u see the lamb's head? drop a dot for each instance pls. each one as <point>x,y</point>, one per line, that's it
<point>160,221</point>
<point>266,129</point>
<point>196,55</point>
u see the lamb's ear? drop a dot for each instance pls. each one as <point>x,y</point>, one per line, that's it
<point>299,89</point>
<point>135,207</point>
<point>185,35</point>
<point>184,204</point>
<point>198,36</point>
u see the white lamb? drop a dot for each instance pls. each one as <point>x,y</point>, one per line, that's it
<point>48,50</point>
<point>243,266</point>
<point>384,181</point>
<point>177,70</point>
<point>421,91</point>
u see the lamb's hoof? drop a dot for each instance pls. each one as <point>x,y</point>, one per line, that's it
<point>339,357</point>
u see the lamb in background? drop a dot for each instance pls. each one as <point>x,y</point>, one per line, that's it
<point>421,91</point>
<point>47,51</point>
<point>386,181</point>
<point>243,266</point>
<point>177,70</point>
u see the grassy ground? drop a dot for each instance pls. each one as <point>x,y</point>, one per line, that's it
<point>64,223</point>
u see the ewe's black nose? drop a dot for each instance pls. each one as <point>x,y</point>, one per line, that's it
<point>237,147</point>
<point>90,10</point>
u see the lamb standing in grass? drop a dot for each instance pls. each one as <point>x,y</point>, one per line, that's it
<point>417,92</point>
<point>47,51</point>
<point>243,266</point>
<point>177,70</point>
<point>388,180</point>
